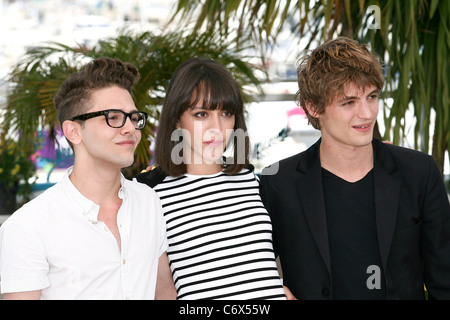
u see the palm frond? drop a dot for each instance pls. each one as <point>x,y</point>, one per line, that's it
<point>36,78</point>
<point>413,38</point>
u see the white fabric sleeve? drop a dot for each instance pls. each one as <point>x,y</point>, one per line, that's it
<point>23,264</point>
<point>161,226</point>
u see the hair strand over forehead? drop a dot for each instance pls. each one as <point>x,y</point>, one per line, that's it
<point>326,70</point>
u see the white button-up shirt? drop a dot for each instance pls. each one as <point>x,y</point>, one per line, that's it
<point>55,243</point>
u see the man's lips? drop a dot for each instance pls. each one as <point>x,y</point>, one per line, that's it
<point>126,143</point>
<point>363,127</point>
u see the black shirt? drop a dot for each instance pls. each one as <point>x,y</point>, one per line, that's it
<point>356,268</point>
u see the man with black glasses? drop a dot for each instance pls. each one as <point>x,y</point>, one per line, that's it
<point>95,234</point>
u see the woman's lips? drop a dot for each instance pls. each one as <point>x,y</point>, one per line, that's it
<point>214,143</point>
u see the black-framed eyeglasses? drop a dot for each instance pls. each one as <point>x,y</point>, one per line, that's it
<point>117,118</point>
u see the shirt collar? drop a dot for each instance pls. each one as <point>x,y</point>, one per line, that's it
<point>122,191</point>
<point>87,208</point>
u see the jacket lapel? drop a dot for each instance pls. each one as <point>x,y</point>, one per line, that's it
<point>387,192</point>
<point>310,191</point>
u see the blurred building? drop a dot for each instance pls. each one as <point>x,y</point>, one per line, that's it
<point>26,23</point>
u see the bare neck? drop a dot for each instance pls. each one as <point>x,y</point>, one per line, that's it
<point>100,185</point>
<point>203,169</point>
<point>347,162</point>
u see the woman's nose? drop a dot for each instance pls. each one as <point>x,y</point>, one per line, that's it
<point>216,122</point>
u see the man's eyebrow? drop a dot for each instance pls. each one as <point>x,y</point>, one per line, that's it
<point>346,98</point>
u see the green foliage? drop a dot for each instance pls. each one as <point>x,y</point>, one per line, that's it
<point>413,39</point>
<point>38,75</point>
<point>16,167</point>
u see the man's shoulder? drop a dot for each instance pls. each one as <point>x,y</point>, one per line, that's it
<point>140,190</point>
<point>291,162</point>
<point>406,151</point>
<point>39,209</point>
<point>402,155</point>
<point>297,162</point>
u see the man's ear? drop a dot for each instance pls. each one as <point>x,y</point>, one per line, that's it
<point>312,111</point>
<point>72,132</point>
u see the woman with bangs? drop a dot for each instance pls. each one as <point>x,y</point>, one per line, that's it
<point>219,233</point>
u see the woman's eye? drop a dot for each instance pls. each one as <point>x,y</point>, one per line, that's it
<point>201,114</point>
<point>228,113</point>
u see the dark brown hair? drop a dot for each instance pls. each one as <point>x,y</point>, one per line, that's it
<point>323,73</point>
<point>73,97</point>
<point>196,78</point>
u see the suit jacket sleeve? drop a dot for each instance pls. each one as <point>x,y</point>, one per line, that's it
<point>436,236</point>
<point>264,188</point>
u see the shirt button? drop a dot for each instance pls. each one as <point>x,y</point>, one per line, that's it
<point>106,228</point>
<point>124,261</point>
<point>325,291</point>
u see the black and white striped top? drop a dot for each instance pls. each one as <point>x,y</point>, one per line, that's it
<point>220,237</point>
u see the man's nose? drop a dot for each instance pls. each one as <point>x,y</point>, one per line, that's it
<point>365,110</point>
<point>129,125</point>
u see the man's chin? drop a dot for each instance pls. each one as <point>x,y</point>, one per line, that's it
<point>126,163</point>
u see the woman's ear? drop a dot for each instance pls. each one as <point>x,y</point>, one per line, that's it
<point>71,131</point>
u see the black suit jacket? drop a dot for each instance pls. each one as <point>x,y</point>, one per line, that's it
<point>412,220</point>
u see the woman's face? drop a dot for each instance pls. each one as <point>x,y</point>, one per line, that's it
<point>205,135</point>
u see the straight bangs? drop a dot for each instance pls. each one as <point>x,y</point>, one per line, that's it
<point>214,94</point>
<point>205,83</point>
